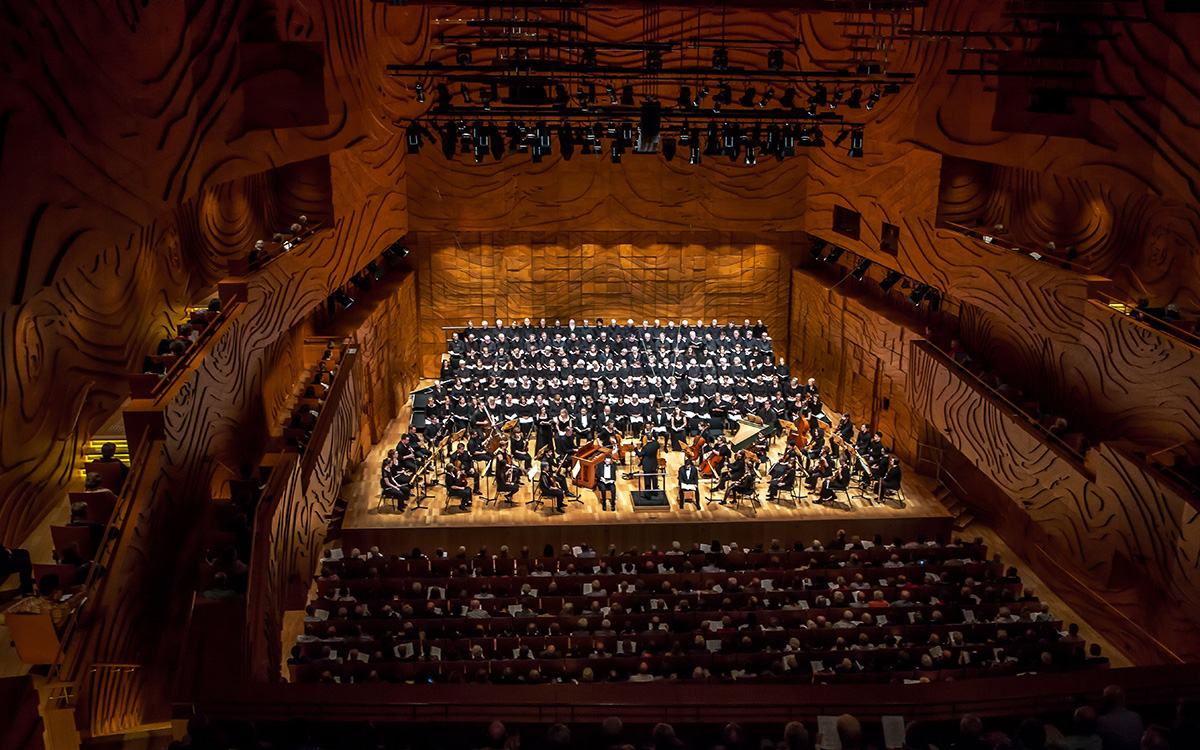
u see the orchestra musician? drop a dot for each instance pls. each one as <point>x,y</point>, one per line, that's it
<point>743,486</point>
<point>508,476</point>
<point>549,486</point>
<point>519,446</point>
<point>396,485</point>
<point>839,481</point>
<point>890,481</point>
<point>845,428</point>
<point>783,476</point>
<point>689,481</point>
<point>734,471</point>
<point>606,483</point>
<point>457,486</point>
<point>820,470</point>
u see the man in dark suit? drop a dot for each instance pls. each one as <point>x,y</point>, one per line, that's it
<point>649,455</point>
<point>606,483</point>
<point>689,481</point>
<point>548,485</point>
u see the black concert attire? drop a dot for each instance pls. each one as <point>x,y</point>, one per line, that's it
<point>649,455</point>
<point>606,484</point>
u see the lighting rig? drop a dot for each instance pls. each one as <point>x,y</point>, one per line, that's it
<point>518,79</point>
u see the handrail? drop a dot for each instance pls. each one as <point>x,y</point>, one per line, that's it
<point>108,547</point>
<point>242,267</point>
<point>1085,587</point>
<point>1128,310</point>
<point>261,552</point>
<point>324,419</point>
<point>195,352</point>
<point>1027,420</point>
<point>980,234</point>
<point>687,701</point>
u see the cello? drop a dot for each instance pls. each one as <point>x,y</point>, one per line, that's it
<point>710,465</point>
<point>693,451</point>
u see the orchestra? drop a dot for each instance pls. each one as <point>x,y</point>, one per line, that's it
<point>672,388</point>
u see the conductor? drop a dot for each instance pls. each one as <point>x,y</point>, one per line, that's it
<point>649,455</point>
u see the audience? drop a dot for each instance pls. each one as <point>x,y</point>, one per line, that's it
<point>720,612</point>
<point>970,731</point>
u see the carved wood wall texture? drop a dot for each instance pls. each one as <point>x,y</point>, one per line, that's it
<point>153,168</point>
<point>389,343</point>
<point>640,275</point>
<point>1148,246</point>
<point>1120,528</point>
<point>859,357</point>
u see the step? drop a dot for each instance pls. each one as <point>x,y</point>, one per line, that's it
<point>962,521</point>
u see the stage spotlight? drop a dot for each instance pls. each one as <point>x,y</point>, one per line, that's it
<point>463,56</point>
<point>712,145</point>
<point>343,299</point>
<point>751,159</point>
<point>627,96</point>
<point>819,98</point>
<point>694,157</point>
<point>413,136</point>
<point>700,96</point>
<point>720,59</point>
<point>788,101</point>
<point>611,92</point>
<point>395,252</point>
<point>588,59</point>
<point>771,147</point>
<point>841,137</point>
<point>362,281</point>
<point>668,148</point>
<point>856,145</point>
<point>861,269</point>
<point>855,99</point>
<point>747,99</point>
<point>787,142</point>
<point>616,153</point>
<point>466,93</point>
<point>486,95</point>
<point>482,137</point>
<point>497,141</point>
<point>834,254</point>
<point>443,96</point>
<point>837,99</point>
<point>818,245</point>
<point>685,98</point>
<point>890,280</point>
<point>566,141</point>
<point>625,134</point>
<point>891,88</point>
<point>654,60</point>
<point>818,137</point>
<point>768,95</point>
<point>561,97</point>
<point>775,59</point>
<point>873,99</point>
<point>420,92</point>
<point>731,137</point>
<point>449,134</point>
<point>918,294</point>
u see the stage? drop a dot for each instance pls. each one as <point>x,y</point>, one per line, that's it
<point>440,524</point>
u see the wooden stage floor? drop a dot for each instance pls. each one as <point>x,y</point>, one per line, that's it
<point>442,524</point>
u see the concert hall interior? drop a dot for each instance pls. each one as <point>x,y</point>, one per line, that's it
<point>404,374</point>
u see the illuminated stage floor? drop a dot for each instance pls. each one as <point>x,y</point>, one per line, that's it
<point>442,524</point>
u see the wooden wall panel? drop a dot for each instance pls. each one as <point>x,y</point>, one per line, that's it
<point>388,351</point>
<point>1148,246</point>
<point>1117,526</point>
<point>859,357</point>
<point>641,275</point>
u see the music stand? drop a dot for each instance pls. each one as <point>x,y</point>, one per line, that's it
<point>574,473</point>
<point>534,491</point>
<point>419,479</point>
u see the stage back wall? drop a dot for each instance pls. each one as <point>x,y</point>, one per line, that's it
<point>474,276</point>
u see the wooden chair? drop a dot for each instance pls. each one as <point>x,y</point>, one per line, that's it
<point>34,637</point>
<point>66,573</point>
<point>64,536</point>
<point>100,505</point>
<point>109,471</point>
